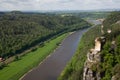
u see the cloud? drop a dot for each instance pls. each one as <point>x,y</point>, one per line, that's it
<point>66,1</point>
<point>58,4</point>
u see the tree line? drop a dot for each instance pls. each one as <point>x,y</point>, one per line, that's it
<point>110,54</point>
<point>19,31</point>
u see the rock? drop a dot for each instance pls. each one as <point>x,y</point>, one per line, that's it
<point>109,31</point>
<point>113,46</point>
<point>97,44</point>
<point>98,76</point>
<point>118,22</point>
<point>93,58</point>
<point>113,78</point>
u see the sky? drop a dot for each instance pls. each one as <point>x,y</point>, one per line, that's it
<point>32,5</point>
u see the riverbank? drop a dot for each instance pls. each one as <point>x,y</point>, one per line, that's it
<point>58,45</point>
<point>51,67</point>
<point>74,69</point>
<point>16,69</point>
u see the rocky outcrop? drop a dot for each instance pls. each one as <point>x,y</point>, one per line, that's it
<point>118,22</point>
<point>102,31</point>
<point>93,58</point>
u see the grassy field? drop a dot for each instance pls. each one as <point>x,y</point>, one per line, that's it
<point>16,69</point>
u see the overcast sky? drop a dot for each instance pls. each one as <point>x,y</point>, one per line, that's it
<point>30,5</point>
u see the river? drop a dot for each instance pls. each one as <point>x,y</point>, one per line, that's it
<point>53,65</point>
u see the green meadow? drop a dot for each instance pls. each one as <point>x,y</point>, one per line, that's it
<point>17,69</point>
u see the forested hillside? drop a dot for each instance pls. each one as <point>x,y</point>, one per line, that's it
<point>19,31</point>
<point>109,66</point>
<point>88,15</point>
<point>112,22</point>
<point>74,69</point>
<point>93,15</point>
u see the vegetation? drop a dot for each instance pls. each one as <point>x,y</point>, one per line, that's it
<point>19,31</point>
<point>110,54</point>
<point>87,15</point>
<point>110,65</point>
<point>16,69</point>
<point>94,15</point>
<point>74,70</point>
<point>111,19</point>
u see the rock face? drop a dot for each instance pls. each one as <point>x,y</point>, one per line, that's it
<point>93,58</point>
<point>97,44</point>
<point>118,22</point>
<point>102,31</point>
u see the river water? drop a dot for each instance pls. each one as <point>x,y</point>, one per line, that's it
<point>53,65</point>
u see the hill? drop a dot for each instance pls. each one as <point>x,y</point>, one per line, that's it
<point>109,65</point>
<point>19,31</point>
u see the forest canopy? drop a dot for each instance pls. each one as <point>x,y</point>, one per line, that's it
<point>19,31</point>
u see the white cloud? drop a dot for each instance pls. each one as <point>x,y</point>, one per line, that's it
<point>58,4</point>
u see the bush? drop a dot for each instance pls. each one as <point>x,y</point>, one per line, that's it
<point>16,58</point>
<point>2,65</point>
<point>116,69</point>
